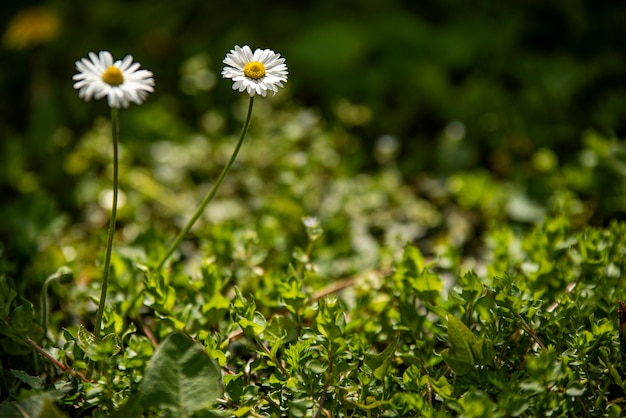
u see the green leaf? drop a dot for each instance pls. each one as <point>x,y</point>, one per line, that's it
<point>428,283</point>
<point>234,386</point>
<point>281,328</point>
<point>417,277</point>
<point>159,295</point>
<point>291,293</point>
<point>253,327</point>
<point>460,337</point>
<point>441,386</point>
<point>466,350</point>
<point>379,362</point>
<point>180,378</point>
<point>21,317</point>
<point>472,287</point>
<point>7,296</point>
<point>32,381</point>
<point>476,403</point>
<point>37,406</point>
<point>216,303</point>
<point>330,319</point>
<point>85,338</point>
<point>413,261</point>
<point>460,363</point>
<point>98,350</point>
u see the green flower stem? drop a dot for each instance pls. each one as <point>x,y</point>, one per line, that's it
<point>43,322</point>
<point>115,133</point>
<point>212,192</point>
<point>64,275</point>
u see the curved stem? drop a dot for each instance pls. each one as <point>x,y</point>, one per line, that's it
<point>64,275</point>
<point>43,322</point>
<point>115,133</point>
<point>212,192</point>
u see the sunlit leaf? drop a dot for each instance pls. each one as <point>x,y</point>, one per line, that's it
<point>180,378</point>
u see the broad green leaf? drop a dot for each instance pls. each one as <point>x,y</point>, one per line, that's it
<point>180,378</point>
<point>37,406</point>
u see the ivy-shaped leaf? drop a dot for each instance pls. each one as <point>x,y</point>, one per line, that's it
<point>85,338</point>
<point>466,350</point>
<point>98,350</point>
<point>280,329</point>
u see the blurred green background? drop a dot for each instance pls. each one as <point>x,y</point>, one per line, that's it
<point>447,85</point>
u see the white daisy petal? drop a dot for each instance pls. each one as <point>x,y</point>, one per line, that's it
<point>272,75</point>
<point>125,64</point>
<point>94,76</point>
<point>106,59</point>
<point>133,67</point>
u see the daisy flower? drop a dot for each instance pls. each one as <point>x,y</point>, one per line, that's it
<point>255,72</point>
<point>121,82</point>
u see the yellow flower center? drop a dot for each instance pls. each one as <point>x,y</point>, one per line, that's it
<point>113,76</point>
<point>254,70</point>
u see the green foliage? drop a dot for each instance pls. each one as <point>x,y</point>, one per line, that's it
<point>180,379</point>
<point>460,299</point>
<point>475,270</point>
<point>37,406</point>
<point>466,350</point>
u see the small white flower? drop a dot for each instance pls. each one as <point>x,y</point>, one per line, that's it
<point>122,82</point>
<point>256,73</point>
<point>311,222</point>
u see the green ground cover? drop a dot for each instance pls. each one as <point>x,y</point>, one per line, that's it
<point>447,243</point>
